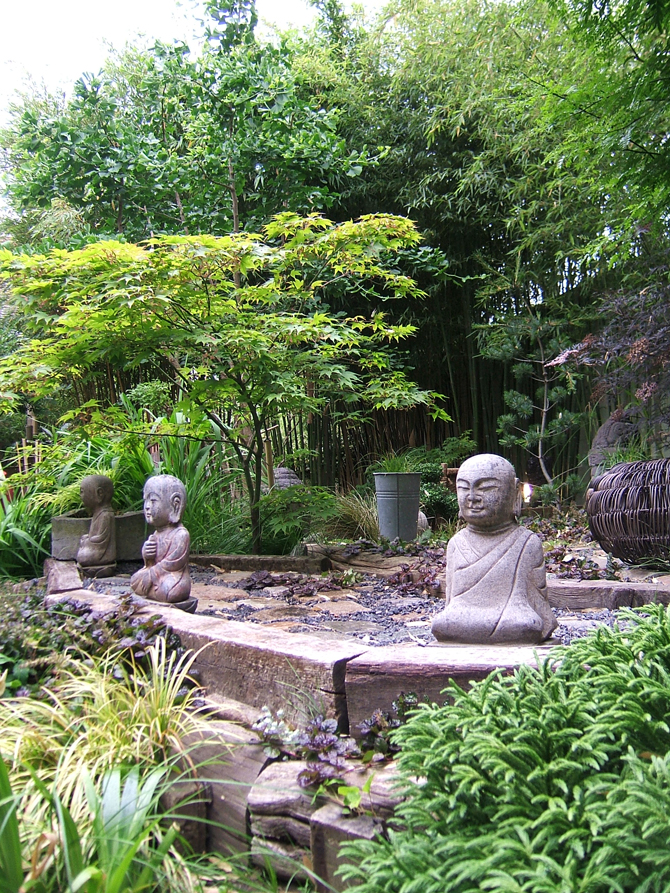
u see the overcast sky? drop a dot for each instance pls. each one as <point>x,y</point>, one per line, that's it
<point>55,41</point>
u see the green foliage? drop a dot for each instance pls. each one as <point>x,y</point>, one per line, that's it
<point>25,536</point>
<point>318,743</point>
<point>11,857</point>
<point>239,324</point>
<point>554,779</point>
<point>355,518</point>
<point>392,463</point>
<point>437,500</point>
<point>637,449</point>
<point>165,140</point>
<point>288,515</point>
<point>36,642</point>
<point>204,470</point>
<point>376,738</point>
<point>451,453</point>
<point>87,763</point>
<point>50,486</point>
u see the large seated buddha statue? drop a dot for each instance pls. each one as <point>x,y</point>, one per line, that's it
<point>496,579</point>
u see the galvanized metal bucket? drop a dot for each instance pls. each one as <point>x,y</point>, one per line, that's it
<point>398,503</point>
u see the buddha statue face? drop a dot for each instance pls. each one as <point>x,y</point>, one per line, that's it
<point>164,500</point>
<point>487,488</point>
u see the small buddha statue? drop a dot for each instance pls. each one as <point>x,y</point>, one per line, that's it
<point>496,579</point>
<point>96,555</point>
<point>165,576</point>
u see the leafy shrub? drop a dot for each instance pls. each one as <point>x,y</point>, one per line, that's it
<point>50,486</point>
<point>319,744</point>
<point>437,500</point>
<point>376,742</point>
<point>214,521</point>
<point>36,642</point>
<point>555,779</point>
<point>452,452</point>
<point>25,536</point>
<point>287,515</point>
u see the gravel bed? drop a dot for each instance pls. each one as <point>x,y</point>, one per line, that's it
<point>384,605</point>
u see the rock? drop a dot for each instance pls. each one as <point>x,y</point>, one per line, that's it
<point>288,862</point>
<point>62,576</point>
<point>282,828</point>
<point>376,678</point>
<point>330,827</point>
<point>229,759</point>
<point>285,478</point>
<point>277,793</point>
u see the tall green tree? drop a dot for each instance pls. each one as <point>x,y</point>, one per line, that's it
<point>450,100</point>
<point>239,324</point>
<point>162,141</point>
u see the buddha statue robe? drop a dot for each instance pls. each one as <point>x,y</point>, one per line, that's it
<point>496,589</point>
<point>165,576</point>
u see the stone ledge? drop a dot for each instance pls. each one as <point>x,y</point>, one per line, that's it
<point>298,564</point>
<point>252,664</point>
<point>376,678</point>
<point>612,594</point>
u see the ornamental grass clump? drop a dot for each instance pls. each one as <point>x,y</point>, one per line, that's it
<point>98,716</point>
<point>553,780</point>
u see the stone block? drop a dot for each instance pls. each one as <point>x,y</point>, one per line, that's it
<point>62,576</point>
<point>185,802</point>
<point>228,758</point>
<point>131,532</point>
<point>611,594</point>
<point>383,795</point>
<point>280,810</point>
<point>297,564</point>
<point>260,666</point>
<point>331,826</point>
<point>290,863</point>
<point>277,793</point>
<point>68,529</point>
<point>281,827</point>
<point>376,678</point>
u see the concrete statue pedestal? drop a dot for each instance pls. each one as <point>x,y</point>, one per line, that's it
<point>68,529</point>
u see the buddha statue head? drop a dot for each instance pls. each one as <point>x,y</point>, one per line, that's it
<point>164,500</point>
<point>96,490</point>
<point>488,493</point>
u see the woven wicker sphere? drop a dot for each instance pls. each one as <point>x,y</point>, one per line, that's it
<point>629,510</point>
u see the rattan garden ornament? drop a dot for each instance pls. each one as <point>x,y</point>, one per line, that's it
<point>96,555</point>
<point>496,579</point>
<point>165,576</point>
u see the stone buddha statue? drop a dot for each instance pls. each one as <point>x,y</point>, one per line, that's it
<point>165,576</point>
<point>96,555</point>
<point>496,579</point>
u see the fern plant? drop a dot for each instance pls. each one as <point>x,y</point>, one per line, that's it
<point>554,780</point>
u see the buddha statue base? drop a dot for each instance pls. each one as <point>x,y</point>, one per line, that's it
<point>189,605</point>
<point>95,572</point>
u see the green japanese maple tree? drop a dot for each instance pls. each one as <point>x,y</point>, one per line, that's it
<point>240,324</point>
